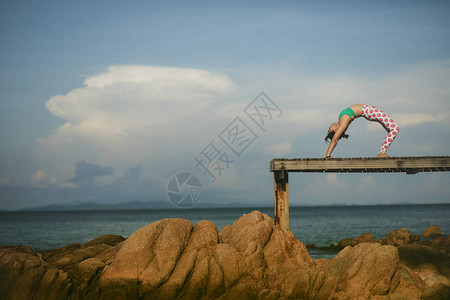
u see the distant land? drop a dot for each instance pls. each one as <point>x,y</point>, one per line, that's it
<point>134,205</point>
<point>155,205</point>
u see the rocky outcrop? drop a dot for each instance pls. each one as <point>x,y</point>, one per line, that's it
<point>441,243</point>
<point>169,259</point>
<point>366,271</point>
<point>431,266</point>
<point>56,274</point>
<point>364,238</point>
<point>432,231</point>
<point>399,237</point>
<point>250,259</point>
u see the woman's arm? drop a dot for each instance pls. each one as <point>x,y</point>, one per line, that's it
<point>343,124</point>
<point>333,144</point>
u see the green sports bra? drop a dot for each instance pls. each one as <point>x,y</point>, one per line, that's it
<point>349,112</point>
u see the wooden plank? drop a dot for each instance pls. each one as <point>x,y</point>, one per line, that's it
<point>282,166</point>
<point>281,205</point>
<point>410,165</point>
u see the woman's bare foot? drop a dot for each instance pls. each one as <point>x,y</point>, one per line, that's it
<point>381,154</point>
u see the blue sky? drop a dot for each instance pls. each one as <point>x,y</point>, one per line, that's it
<point>126,94</point>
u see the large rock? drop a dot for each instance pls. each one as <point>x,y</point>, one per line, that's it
<point>106,239</point>
<point>68,256</point>
<point>441,243</point>
<point>364,238</point>
<point>431,265</point>
<point>250,259</point>
<point>366,271</point>
<point>170,259</point>
<point>432,231</point>
<point>53,274</point>
<point>150,254</point>
<point>25,276</point>
<point>399,237</point>
<point>147,258</point>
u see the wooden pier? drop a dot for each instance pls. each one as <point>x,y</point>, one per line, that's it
<point>282,166</point>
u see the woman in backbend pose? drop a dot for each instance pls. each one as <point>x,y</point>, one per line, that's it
<point>371,113</point>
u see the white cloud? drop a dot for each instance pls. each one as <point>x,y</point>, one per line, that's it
<point>127,99</point>
<point>135,113</point>
<point>419,90</point>
<point>161,117</point>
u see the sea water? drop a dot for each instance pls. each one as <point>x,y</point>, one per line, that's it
<point>321,226</point>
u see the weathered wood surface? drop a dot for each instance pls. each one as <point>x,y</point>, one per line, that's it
<point>410,165</point>
<point>281,205</point>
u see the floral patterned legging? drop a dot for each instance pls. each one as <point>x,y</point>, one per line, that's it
<point>372,113</point>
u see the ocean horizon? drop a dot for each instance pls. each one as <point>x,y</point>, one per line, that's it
<point>319,225</point>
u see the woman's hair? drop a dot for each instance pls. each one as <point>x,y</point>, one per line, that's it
<point>330,136</point>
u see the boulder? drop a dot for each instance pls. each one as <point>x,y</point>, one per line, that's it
<point>54,284</point>
<point>399,237</point>
<point>197,272</point>
<point>441,243</point>
<point>365,271</point>
<point>53,274</point>
<point>171,259</point>
<point>150,254</point>
<point>364,238</point>
<point>249,259</point>
<point>55,255</point>
<point>432,231</point>
<point>106,239</point>
<point>24,275</point>
<point>431,266</point>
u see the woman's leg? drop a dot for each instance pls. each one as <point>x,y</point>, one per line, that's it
<point>372,113</point>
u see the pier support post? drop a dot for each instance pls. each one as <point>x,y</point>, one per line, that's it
<point>281,214</point>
